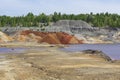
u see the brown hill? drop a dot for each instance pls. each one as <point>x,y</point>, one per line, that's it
<point>48,37</point>
<point>51,39</point>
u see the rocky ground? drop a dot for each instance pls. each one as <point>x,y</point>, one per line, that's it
<point>50,63</point>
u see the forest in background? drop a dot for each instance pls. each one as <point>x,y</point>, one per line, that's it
<point>31,20</point>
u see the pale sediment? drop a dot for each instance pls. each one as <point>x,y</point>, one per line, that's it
<point>54,64</point>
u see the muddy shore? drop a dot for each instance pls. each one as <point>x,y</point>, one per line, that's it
<point>54,64</point>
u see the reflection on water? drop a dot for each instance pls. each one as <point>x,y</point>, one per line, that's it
<point>112,50</point>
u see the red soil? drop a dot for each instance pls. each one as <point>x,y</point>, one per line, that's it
<point>49,37</point>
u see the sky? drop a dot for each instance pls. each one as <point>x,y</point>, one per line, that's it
<point>22,7</point>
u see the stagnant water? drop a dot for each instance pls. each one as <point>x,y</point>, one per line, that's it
<point>5,50</point>
<point>12,50</point>
<point>112,50</point>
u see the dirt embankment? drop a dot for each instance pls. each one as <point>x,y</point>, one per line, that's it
<point>47,37</point>
<point>53,38</point>
<point>4,37</point>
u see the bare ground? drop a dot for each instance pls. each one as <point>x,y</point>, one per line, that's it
<point>53,64</point>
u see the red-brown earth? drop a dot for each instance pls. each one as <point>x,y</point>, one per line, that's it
<point>47,37</point>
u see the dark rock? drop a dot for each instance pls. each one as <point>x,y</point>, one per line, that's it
<point>97,53</point>
<point>12,49</point>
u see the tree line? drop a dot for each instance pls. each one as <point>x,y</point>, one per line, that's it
<point>95,20</point>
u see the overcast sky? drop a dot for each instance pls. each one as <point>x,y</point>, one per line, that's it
<point>22,7</point>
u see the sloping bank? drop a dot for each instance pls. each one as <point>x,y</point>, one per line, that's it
<point>97,53</point>
<point>4,37</point>
<point>47,37</point>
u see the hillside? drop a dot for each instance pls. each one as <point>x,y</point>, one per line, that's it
<point>4,37</point>
<point>48,37</point>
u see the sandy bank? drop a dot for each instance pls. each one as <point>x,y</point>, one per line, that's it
<point>53,64</point>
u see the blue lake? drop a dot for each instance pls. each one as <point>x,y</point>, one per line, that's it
<point>5,50</point>
<point>12,50</point>
<point>112,50</point>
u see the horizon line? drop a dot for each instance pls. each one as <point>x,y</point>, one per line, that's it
<point>94,13</point>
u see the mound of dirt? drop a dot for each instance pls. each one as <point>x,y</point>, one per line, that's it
<point>4,37</point>
<point>51,39</point>
<point>48,37</point>
<point>67,39</point>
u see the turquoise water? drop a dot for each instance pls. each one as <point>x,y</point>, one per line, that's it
<point>112,50</point>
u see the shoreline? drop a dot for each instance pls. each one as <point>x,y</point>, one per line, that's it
<point>6,44</point>
<point>52,63</point>
<point>45,45</point>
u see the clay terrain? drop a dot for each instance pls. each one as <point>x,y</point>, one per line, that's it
<point>40,37</point>
<point>43,59</point>
<point>48,37</point>
<point>51,63</point>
